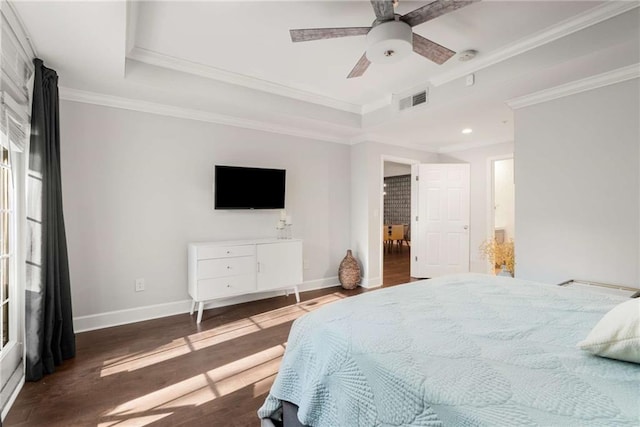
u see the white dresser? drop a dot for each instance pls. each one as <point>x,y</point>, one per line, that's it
<point>226,269</point>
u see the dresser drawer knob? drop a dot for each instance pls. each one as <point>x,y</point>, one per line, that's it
<point>228,267</point>
<point>228,286</point>
<point>228,252</point>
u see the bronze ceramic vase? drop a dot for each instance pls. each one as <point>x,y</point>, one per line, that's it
<point>349,272</point>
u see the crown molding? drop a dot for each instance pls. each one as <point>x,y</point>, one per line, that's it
<point>610,77</point>
<point>160,60</point>
<point>368,137</point>
<point>464,146</point>
<point>377,104</point>
<point>87,97</point>
<point>569,26</point>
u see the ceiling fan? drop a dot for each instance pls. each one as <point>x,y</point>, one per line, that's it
<point>390,36</point>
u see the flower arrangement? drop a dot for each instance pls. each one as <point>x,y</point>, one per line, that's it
<point>500,254</point>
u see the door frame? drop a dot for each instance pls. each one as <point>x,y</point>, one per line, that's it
<point>491,198</point>
<point>387,158</point>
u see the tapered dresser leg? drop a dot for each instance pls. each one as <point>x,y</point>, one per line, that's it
<point>200,308</point>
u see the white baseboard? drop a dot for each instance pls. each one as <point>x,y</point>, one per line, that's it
<point>139,314</point>
<point>12,398</point>
<point>482,267</point>
<point>369,283</point>
<point>313,285</point>
<point>131,315</point>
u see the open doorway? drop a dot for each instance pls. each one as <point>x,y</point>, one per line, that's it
<point>503,216</point>
<point>396,223</point>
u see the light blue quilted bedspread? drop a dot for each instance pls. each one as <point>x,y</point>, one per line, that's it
<point>464,350</point>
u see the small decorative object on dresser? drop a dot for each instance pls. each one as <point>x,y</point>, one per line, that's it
<point>349,272</point>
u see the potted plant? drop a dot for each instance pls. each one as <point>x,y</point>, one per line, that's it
<point>501,254</point>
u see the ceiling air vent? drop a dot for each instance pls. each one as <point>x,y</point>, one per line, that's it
<point>411,101</point>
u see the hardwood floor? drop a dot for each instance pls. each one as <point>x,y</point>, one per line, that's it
<point>396,267</point>
<point>172,372</point>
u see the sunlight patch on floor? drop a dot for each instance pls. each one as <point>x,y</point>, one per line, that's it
<point>203,388</point>
<point>214,336</point>
<point>176,348</point>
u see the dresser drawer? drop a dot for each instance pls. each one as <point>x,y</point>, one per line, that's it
<point>207,252</point>
<point>224,267</point>
<point>225,286</point>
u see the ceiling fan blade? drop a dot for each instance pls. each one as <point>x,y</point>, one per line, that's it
<point>383,10</point>
<point>433,10</point>
<point>308,34</point>
<point>360,68</point>
<point>431,50</point>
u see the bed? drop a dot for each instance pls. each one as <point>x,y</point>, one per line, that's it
<point>463,350</point>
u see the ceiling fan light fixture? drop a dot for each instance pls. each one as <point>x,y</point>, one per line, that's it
<point>390,37</point>
<point>389,42</point>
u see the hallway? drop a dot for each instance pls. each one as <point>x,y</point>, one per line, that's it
<point>396,267</point>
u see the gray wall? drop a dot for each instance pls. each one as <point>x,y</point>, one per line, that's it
<point>577,187</point>
<point>137,188</point>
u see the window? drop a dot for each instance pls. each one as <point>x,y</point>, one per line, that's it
<point>5,239</point>
<point>12,140</point>
<point>16,54</point>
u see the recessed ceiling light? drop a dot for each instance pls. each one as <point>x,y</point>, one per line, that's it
<point>467,131</point>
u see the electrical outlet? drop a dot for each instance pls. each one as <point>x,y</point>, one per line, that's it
<point>305,264</point>
<point>140,285</point>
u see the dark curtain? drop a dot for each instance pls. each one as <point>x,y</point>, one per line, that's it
<point>49,322</point>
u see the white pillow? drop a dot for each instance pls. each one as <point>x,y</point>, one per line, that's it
<point>617,334</point>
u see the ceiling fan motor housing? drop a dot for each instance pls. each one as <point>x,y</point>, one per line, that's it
<point>389,42</point>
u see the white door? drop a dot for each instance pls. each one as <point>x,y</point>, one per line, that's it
<point>439,219</point>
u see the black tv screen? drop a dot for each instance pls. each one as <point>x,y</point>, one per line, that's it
<point>248,188</point>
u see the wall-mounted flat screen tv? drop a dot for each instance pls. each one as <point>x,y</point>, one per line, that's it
<point>237,187</point>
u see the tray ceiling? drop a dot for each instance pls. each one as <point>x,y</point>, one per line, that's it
<point>233,62</point>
